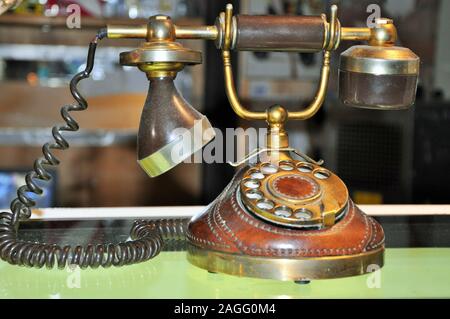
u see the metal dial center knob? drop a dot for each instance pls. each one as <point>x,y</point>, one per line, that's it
<point>294,187</point>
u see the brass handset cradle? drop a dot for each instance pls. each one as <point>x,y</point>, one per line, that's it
<point>284,217</point>
<point>310,110</point>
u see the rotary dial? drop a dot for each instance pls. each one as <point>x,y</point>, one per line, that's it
<point>294,193</point>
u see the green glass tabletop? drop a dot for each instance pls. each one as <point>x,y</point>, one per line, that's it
<point>408,273</point>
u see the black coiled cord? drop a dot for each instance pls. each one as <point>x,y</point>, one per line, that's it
<point>147,236</point>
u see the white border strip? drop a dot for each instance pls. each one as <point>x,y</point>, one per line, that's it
<point>189,211</point>
<point>405,210</point>
<point>115,212</point>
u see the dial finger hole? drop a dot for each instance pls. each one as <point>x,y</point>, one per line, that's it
<point>322,174</point>
<point>254,194</point>
<point>268,169</point>
<point>283,211</point>
<point>305,168</point>
<point>257,175</point>
<point>265,204</point>
<point>286,165</point>
<point>303,214</point>
<point>251,183</point>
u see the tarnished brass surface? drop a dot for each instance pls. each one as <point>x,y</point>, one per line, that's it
<point>277,137</point>
<point>160,52</point>
<point>155,52</point>
<point>332,30</point>
<point>126,31</point>
<point>378,77</point>
<point>294,194</point>
<point>181,32</point>
<point>286,268</point>
<point>319,98</point>
<point>230,87</point>
<point>380,60</point>
<point>208,32</point>
<point>355,34</point>
<point>384,33</point>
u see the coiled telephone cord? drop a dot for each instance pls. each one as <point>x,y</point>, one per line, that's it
<point>147,237</point>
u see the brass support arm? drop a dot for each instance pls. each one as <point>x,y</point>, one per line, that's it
<point>244,113</point>
<point>320,94</point>
<point>230,88</point>
<point>355,34</point>
<point>384,34</point>
<point>181,32</point>
<point>115,31</point>
<point>208,32</point>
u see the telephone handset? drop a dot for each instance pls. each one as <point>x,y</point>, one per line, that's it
<point>146,238</point>
<point>285,217</point>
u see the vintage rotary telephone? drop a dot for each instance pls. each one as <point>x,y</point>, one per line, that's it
<point>285,217</point>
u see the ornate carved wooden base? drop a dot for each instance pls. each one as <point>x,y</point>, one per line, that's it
<point>231,237</point>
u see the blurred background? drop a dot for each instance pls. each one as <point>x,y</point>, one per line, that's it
<point>383,157</point>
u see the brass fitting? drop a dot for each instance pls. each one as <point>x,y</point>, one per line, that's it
<point>384,34</point>
<point>277,137</point>
<point>160,55</point>
<point>160,28</point>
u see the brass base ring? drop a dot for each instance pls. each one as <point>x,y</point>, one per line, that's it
<point>287,269</point>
